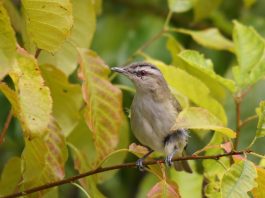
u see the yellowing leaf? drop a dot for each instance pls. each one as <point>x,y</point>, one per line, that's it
<point>67,98</point>
<point>238,180</point>
<point>103,111</point>
<point>48,22</point>
<point>34,100</point>
<point>179,5</point>
<point>199,118</point>
<point>259,191</point>
<point>7,43</point>
<point>210,38</point>
<point>261,124</point>
<point>44,158</point>
<point>11,176</point>
<point>66,58</point>
<point>164,189</point>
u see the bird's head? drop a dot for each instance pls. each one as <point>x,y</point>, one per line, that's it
<point>145,76</point>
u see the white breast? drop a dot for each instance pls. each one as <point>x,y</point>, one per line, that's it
<point>151,121</point>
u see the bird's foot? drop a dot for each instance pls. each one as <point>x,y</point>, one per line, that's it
<point>168,160</point>
<point>140,164</point>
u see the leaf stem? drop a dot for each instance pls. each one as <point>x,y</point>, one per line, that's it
<point>6,125</point>
<point>237,100</point>
<point>248,119</point>
<point>115,167</point>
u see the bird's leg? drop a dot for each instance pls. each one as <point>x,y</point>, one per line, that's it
<point>140,161</point>
<point>168,159</point>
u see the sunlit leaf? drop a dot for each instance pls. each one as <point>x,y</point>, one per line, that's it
<point>249,3</point>
<point>195,89</point>
<point>199,118</point>
<point>179,5</point>
<point>203,8</point>
<point>103,111</point>
<point>67,97</point>
<point>261,123</point>
<point>212,190</point>
<point>259,191</point>
<point>211,38</point>
<point>35,103</point>
<point>48,22</point>
<point>164,189</point>
<point>7,43</point>
<point>11,176</point>
<point>239,180</point>
<point>146,184</point>
<point>44,158</point>
<point>84,26</point>
<point>173,46</point>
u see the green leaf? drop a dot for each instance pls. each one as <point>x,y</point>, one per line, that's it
<point>261,123</point>
<point>199,118</point>
<point>66,58</point>
<point>239,180</point>
<point>173,46</point>
<point>164,189</point>
<point>179,5</point>
<point>203,8</point>
<point>259,191</point>
<point>103,111</point>
<point>48,22</point>
<point>191,87</point>
<point>67,98</point>
<point>11,176</point>
<point>210,38</point>
<point>7,44</point>
<point>44,158</point>
<point>202,68</point>
<point>34,100</point>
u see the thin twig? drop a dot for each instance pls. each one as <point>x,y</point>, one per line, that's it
<point>37,53</point>
<point>247,120</point>
<point>115,167</point>
<point>6,125</point>
<point>237,100</point>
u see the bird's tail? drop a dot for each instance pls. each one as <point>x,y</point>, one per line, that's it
<point>182,166</point>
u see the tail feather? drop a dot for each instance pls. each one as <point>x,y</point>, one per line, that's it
<point>182,166</point>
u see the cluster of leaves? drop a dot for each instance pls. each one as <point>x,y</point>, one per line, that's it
<point>48,42</point>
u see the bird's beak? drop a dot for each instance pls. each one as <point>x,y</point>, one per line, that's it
<point>118,69</point>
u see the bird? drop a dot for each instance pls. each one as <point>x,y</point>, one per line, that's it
<point>153,113</point>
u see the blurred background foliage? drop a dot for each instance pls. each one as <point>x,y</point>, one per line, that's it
<point>123,26</point>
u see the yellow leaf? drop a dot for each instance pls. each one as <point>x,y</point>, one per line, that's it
<point>259,191</point>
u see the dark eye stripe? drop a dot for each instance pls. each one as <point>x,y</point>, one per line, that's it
<point>135,65</point>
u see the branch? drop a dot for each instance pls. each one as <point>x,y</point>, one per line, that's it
<point>120,166</point>
<point>7,123</point>
<point>238,120</point>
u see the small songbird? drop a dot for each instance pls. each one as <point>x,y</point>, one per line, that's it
<point>153,113</point>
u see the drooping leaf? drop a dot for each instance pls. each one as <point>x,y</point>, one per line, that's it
<point>34,100</point>
<point>261,123</point>
<point>164,189</point>
<point>43,158</point>
<point>199,118</point>
<point>103,111</point>
<point>203,8</point>
<point>239,180</point>
<point>173,46</point>
<point>211,38</point>
<point>212,190</point>
<point>195,89</point>
<point>259,191</point>
<point>66,58</point>
<point>48,22</point>
<point>179,5</point>
<point>7,43</point>
<point>67,98</point>
<point>11,176</point>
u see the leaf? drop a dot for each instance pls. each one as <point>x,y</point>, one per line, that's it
<point>179,5</point>
<point>238,180</point>
<point>259,191</point>
<point>261,123</point>
<point>103,111</point>
<point>48,22</point>
<point>211,38</point>
<point>7,44</point>
<point>11,176</point>
<point>43,158</point>
<point>173,46</point>
<point>34,100</point>
<point>195,89</point>
<point>199,118</point>
<point>67,98</point>
<point>203,8</point>
<point>164,189</point>
<point>66,58</point>
<point>198,66</point>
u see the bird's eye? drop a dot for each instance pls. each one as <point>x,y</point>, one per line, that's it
<point>141,73</point>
